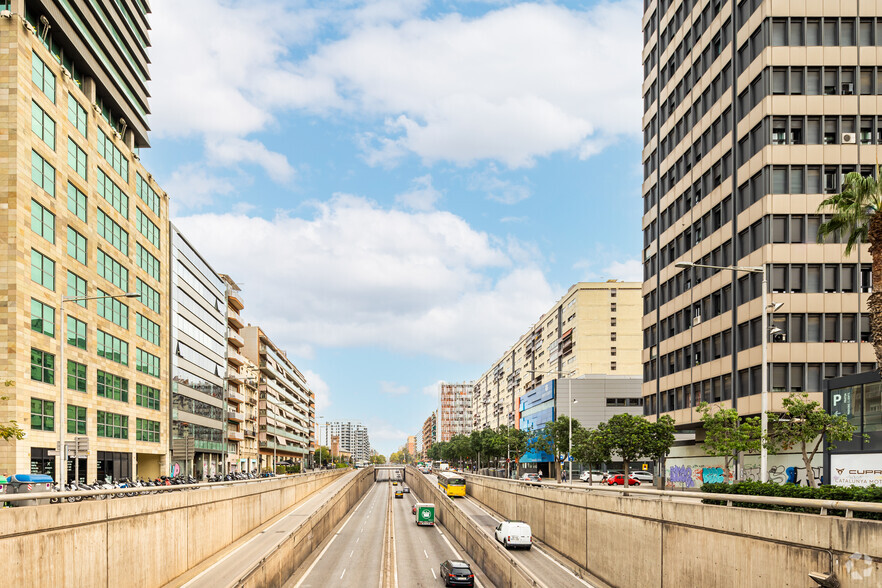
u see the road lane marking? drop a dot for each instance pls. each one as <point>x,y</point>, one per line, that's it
<point>346,522</point>
<point>343,574</point>
<point>427,555</point>
<point>434,577</point>
<point>350,553</point>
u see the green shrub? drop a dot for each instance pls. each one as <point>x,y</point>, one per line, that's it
<point>293,469</point>
<point>845,493</point>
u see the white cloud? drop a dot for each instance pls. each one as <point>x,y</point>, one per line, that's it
<point>433,389</point>
<point>393,389</point>
<point>357,274</point>
<point>320,389</point>
<point>421,196</point>
<point>498,189</point>
<point>627,270</point>
<point>230,150</point>
<point>191,187</point>
<point>515,84</point>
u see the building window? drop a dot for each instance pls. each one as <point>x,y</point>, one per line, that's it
<point>113,387</point>
<point>113,194</point>
<point>77,246</point>
<point>113,233</point>
<point>113,271</point>
<point>76,419</point>
<point>612,351</point>
<point>113,310</point>
<point>77,202</point>
<point>42,270</point>
<point>76,114</point>
<point>612,322</point>
<point>612,336</point>
<point>113,156</point>
<point>42,318</point>
<point>612,307</point>
<point>147,228</point>
<point>146,363</point>
<point>42,415</point>
<point>76,376</point>
<point>43,77</point>
<point>42,221</point>
<point>147,194</point>
<point>76,332</point>
<point>612,366</point>
<point>146,329</point>
<point>76,288</point>
<point>43,125</point>
<point>147,430</point>
<point>109,347</point>
<point>42,366</point>
<point>146,396</point>
<point>113,426</point>
<point>149,296</point>
<point>147,262</point>
<point>76,158</point>
<point>42,173</point>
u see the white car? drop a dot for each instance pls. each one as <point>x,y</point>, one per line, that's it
<point>514,534</point>
<point>595,476</point>
<point>642,476</point>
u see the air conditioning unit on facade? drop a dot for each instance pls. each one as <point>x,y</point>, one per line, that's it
<point>847,88</point>
<point>849,138</point>
<point>779,338</point>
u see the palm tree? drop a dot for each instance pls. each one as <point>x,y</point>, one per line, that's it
<point>855,214</point>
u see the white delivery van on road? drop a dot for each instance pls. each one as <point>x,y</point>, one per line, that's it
<point>514,534</point>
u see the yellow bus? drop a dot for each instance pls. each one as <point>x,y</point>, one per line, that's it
<point>452,484</point>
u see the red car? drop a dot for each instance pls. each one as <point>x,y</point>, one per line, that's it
<point>619,480</point>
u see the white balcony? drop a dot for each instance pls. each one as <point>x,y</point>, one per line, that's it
<point>235,435</point>
<point>235,416</point>
<point>236,340</point>
<point>235,396</point>
<point>235,357</point>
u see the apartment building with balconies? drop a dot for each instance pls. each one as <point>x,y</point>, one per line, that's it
<point>240,432</point>
<point>594,329</point>
<point>286,405</point>
<point>352,437</point>
<point>454,410</point>
<point>81,218</point>
<point>429,433</point>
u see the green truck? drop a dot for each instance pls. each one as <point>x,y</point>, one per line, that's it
<point>425,513</point>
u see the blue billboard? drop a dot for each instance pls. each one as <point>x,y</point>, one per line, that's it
<point>536,409</point>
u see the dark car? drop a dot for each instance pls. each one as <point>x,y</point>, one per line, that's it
<point>399,494</point>
<point>457,573</point>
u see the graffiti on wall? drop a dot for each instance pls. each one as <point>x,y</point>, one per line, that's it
<point>783,474</point>
<point>690,476</point>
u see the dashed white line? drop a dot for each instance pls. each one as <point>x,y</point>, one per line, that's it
<point>343,574</point>
<point>434,577</point>
<point>350,554</point>
<point>427,555</point>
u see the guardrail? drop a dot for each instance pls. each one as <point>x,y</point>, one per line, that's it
<point>137,490</point>
<point>823,506</point>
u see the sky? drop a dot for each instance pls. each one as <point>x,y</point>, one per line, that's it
<point>400,187</point>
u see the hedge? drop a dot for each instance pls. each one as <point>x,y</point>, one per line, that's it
<point>750,488</point>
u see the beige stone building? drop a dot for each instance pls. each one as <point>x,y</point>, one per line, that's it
<point>286,404</point>
<point>80,217</point>
<point>594,329</point>
<point>754,111</point>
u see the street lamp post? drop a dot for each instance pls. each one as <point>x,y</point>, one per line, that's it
<point>764,368</point>
<point>61,415</point>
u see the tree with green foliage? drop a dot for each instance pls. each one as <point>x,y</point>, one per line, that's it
<point>554,438</point>
<point>436,451</point>
<point>661,439</point>
<point>378,459</point>
<point>589,447</point>
<point>322,455</point>
<point>512,443</point>
<point>10,430</point>
<point>627,436</point>
<point>855,216</point>
<point>805,424</point>
<point>726,434</point>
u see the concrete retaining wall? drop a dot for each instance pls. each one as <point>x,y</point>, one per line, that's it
<point>278,566</point>
<point>629,541</point>
<point>491,557</point>
<point>140,541</point>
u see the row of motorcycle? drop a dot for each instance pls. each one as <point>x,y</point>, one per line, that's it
<point>124,486</point>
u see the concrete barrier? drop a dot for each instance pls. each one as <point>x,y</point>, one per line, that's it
<point>275,569</point>
<point>626,541</point>
<point>487,554</point>
<point>140,541</point>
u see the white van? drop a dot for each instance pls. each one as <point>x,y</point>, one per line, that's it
<point>514,534</point>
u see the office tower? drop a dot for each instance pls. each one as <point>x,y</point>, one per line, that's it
<point>754,111</point>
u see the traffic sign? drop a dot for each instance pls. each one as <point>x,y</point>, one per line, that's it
<point>645,467</point>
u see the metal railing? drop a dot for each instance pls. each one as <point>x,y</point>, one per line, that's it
<point>124,492</point>
<point>823,506</point>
